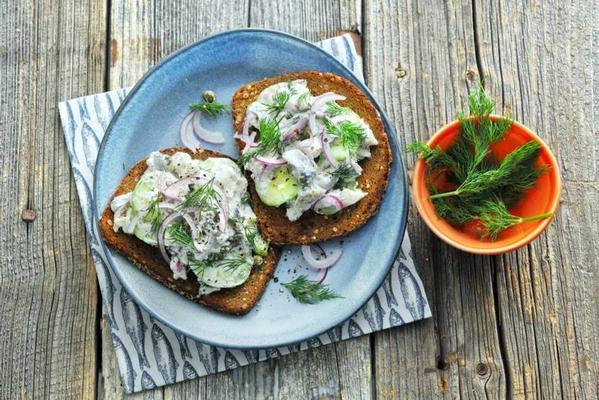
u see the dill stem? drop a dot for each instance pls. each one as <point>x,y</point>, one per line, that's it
<point>536,217</point>
<point>446,194</point>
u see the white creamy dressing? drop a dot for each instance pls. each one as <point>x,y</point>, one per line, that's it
<point>219,259</point>
<point>307,166</point>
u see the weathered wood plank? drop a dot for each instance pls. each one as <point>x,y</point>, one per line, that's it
<point>539,59</point>
<point>48,297</point>
<point>420,62</point>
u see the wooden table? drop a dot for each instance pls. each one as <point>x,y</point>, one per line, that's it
<point>522,325</point>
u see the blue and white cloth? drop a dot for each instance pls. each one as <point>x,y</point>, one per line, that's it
<point>151,354</point>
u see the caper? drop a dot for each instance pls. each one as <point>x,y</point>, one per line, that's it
<point>209,96</point>
<point>258,260</point>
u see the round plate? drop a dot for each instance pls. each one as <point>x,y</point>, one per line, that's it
<point>149,120</point>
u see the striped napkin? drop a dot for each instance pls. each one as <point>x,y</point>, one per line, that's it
<point>151,354</point>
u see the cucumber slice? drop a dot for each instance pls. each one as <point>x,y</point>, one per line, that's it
<point>338,151</point>
<point>142,195</point>
<point>260,245</point>
<point>277,188</point>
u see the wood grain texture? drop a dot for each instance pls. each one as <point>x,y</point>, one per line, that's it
<point>48,296</point>
<point>420,62</point>
<point>537,60</point>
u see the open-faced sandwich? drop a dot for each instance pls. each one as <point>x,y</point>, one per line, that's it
<point>316,153</point>
<point>183,217</point>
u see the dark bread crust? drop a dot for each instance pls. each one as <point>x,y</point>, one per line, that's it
<point>147,258</point>
<point>312,227</point>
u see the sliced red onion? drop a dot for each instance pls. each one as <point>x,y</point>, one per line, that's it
<point>250,141</point>
<point>188,138</point>
<point>160,235</point>
<point>270,162</point>
<point>299,126</point>
<point>326,149</point>
<point>171,191</point>
<point>329,200</point>
<point>213,137</point>
<point>323,262</point>
<point>323,99</point>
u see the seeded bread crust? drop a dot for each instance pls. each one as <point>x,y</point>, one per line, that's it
<point>238,300</point>
<point>312,227</point>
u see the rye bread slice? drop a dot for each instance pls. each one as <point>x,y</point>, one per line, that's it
<point>238,300</point>
<point>312,227</point>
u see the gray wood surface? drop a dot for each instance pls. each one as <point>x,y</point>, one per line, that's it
<point>48,295</point>
<point>522,325</point>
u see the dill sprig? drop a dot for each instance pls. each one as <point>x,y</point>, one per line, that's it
<point>303,99</point>
<point>334,109</point>
<point>153,214</point>
<point>494,215</point>
<point>229,264</point>
<point>279,102</point>
<point>201,197</point>
<point>344,173</point>
<point>310,292</point>
<point>484,187</point>
<point>268,139</point>
<point>180,234</point>
<point>211,108</point>
<point>515,172</point>
<point>349,133</point>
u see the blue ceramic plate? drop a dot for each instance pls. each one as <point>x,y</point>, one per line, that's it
<point>149,119</point>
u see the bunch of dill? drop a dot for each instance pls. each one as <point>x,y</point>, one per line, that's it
<point>485,188</point>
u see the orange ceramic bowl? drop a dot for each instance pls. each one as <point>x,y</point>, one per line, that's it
<point>542,198</point>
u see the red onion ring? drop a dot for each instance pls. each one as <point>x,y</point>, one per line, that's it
<point>204,134</point>
<point>326,149</point>
<point>186,133</point>
<point>160,235</point>
<point>270,162</point>
<point>325,262</point>
<point>324,98</point>
<point>173,188</point>
<point>327,200</point>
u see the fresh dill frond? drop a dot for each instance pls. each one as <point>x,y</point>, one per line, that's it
<point>229,264</point>
<point>153,214</point>
<point>485,187</point>
<point>494,215</point>
<point>250,233</point>
<point>180,234</point>
<point>516,172</point>
<point>279,102</point>
<point>310,292</point>
<point>212,109</point>
<point>203,196</point>
<point>302,100</point>
<point>245,198</point>
<point>198,267</point>
<point>349,133</point>
<point>344,173</point>
<point>268,139</point>
<point>334,109</point>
